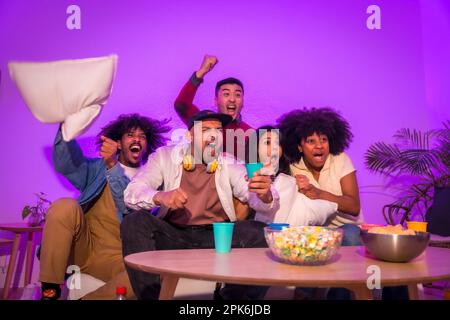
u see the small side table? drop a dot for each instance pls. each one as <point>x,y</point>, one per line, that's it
<point>18,229</point>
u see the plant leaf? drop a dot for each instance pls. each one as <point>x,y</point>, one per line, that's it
<point>442,146</point>
<point>382,157</point>
<point>416,161</point>
<point>388,159</point>
<point>414,139</point>
<point>423,156</point>
<point>25,212</point>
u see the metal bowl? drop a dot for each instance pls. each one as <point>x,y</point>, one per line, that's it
<point>395,247</point>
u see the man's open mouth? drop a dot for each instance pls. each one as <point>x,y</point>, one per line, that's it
<point>231,108</point>
<point>135,149</point>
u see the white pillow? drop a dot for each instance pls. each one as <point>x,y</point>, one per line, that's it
<point>296,208</point>
<point>68,91</point>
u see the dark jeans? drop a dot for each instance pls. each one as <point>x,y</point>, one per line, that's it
<point>140,231</point>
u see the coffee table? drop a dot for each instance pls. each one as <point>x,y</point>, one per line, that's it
<point>350,268</point>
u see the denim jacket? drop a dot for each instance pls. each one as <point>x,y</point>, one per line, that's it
<point>89,175</point>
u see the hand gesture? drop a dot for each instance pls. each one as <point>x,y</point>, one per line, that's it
<point>260,185</point>
<point>207,65</point>
<point>305,187</point>
<point>175,199</point>
<point>108,151</point>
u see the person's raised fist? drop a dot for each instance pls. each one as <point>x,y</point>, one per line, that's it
<point>208,64</point>
<point>108,151</point>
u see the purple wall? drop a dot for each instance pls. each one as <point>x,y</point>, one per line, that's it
<point>288,54</point>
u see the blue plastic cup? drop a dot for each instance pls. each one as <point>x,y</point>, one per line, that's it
<point>223,234</point>
<point>252,168</point>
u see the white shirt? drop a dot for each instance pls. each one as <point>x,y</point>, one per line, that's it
<point>130,172</point>
<point>296,208</point>
<point>163,170</point>
<point>334,169</point>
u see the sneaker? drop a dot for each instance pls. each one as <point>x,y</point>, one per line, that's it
<point>49,294</point>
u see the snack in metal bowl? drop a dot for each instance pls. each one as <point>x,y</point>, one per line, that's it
<point>393,244</point>
<point>304,245</point>
<point>397,229</point>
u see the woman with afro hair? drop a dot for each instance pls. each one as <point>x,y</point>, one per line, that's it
<point>314,143</point>
<point>315,140</point>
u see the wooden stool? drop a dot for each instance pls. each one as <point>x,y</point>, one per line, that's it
<point>18,229</point>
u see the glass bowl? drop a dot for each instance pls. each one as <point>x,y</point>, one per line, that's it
<point>304,245</point>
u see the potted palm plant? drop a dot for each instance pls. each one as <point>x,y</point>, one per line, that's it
<point>421,160</point>
<point>36,213</point>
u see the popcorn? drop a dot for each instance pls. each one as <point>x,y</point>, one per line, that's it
<point>306,245</point>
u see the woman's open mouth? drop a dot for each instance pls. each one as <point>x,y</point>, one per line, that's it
<point>319,156</point>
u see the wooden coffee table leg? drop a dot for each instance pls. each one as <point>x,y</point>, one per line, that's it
<point>11,265</point>
<point>168,287</point>
<point>413,291</point>
<point>29,260</point>
<point>361,293</point>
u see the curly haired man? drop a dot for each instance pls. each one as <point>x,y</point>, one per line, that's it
<point>86,232</point>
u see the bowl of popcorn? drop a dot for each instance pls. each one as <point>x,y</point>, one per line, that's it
<point>304,245</point>
<point>393,243</point>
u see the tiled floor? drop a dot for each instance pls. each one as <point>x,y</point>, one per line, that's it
<point>14,294</point>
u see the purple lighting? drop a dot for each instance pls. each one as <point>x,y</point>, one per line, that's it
<point>289,54</point>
